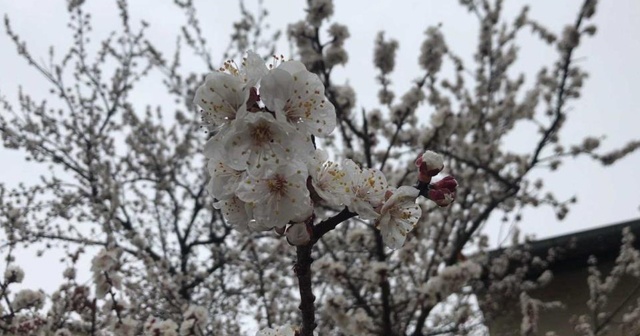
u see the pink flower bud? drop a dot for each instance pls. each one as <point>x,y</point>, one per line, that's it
<point>442,197</point>
<point>429,164</point>
<point>448,182</point>
<point>388,194</point>
<point>443,192</point>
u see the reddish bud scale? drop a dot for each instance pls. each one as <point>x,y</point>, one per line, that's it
<point>448,182</point>
<point>443,192</point>
<point>441,198</point>
<point>426,171</point>
<point>388,194</point>
<point>252,102</point>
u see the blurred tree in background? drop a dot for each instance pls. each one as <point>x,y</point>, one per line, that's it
<point>129,185</point>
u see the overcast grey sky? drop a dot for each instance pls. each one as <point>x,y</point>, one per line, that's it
<point>608,106</point>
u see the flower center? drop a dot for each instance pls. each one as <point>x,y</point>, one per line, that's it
<point>277,185</point>
<point>261,134</point>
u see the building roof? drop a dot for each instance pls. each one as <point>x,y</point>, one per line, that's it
<point>574,249</point>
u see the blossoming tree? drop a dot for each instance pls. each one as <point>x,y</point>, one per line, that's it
<point>303,215</point>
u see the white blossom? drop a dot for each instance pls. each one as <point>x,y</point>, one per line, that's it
<point>285,330</point>
<point>449,280</point>
<point>128,327</point>
<point>367,187</point>
<point>104,266</point>
<point>350,321</point>
<point>198,313</point>
<point>63,332</point>
<point>384,55</point>
<point>223,95</point>
<point>236,213</point>
<point>222,98</point>
<point>259,142</point>
<point>345,97</point>
<point>224,179</point>
<point>318,11</point>
<point>329,180</point>
<point>432,51</point>
<point>278,197</point>
<point>28,298</point>
<point>13,274</point>
<point>253,69</point>
<point>398,216</point>
<point>297,97</point>
<point>301,32</point>
<point>339,33</point>
<point>69,273</point>
<point>335,55</point>
<point>157,327</point>
<point>195,318</point>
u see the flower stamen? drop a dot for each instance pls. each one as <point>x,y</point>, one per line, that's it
<point>261,134</point>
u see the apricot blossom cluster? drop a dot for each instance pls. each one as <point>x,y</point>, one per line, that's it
<point>266,172</point>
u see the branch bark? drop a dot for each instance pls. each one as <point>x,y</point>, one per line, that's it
<point>302,269</point>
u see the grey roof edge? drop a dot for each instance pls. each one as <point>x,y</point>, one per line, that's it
<point>574,249</point>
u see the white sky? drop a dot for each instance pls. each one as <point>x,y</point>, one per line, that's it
<point>607,108</point>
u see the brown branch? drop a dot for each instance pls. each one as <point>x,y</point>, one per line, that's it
<point>484,167</point>
<point>302,269</point>
<point>385,288</point>
<point>329,224</point>
<point>560,98</point>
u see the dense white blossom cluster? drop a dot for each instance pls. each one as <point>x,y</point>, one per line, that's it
<point>27,298</point>
<point>262,155</point>
<point>351,321</point>
<point>104,267</point>
<point>154,326</point>
<point>449,280</point>
<point>285,330</point>
<point>13,274</point>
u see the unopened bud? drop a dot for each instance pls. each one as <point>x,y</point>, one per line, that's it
<point>448,182</point>
<point>443,192</point>
<point>299,234</point>
<point>442,197</point>
<point>429,164</point>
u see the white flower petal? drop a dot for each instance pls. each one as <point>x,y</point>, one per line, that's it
<point>308,106</point>
<point>278,197</point>
<point>254,68</point>
<point>224,179</point>
<point>398,216</point>
<point>275,88</point>
<point>367,189</point>
<point>236,213</point>
<point>285,330</point>
<point>297,97</point>
<point>292,67</point>
<point>221,97</point>
<point>259,142</point>
<point>329,180</point>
